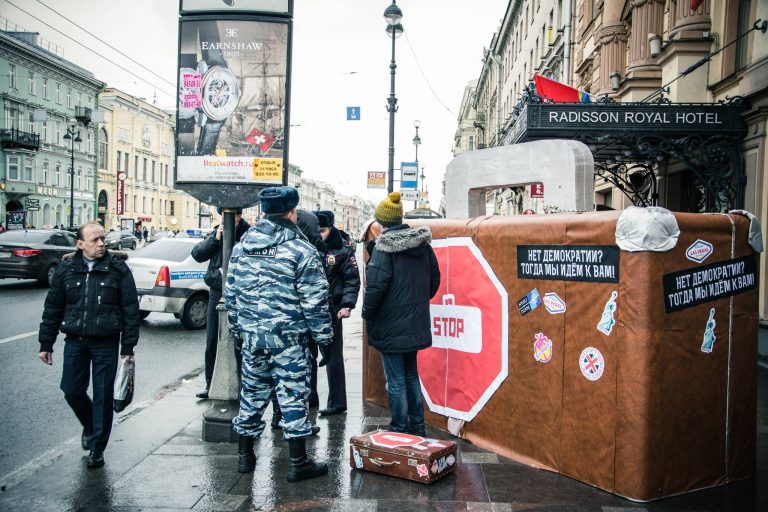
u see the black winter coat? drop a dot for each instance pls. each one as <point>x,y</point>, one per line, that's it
<point>401,277</point>
<point>342,272</point>
<point>100,306</point>
<point>212,251</point>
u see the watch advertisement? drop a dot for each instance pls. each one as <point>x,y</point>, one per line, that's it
<point>231,109</point>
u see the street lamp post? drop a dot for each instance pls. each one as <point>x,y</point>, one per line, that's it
<point>416,142</point>
<point>73,136</point>
<point>392,15</point>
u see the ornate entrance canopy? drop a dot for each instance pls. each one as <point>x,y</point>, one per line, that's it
<point>631,141</point>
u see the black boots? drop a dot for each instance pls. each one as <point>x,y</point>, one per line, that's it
<point>246,459</point>
<point>302,467</point>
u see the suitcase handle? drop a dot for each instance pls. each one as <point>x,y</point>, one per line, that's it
<point>381,463</point>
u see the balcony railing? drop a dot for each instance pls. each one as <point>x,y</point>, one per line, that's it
<point>11,138</point>
<point>83,115</point>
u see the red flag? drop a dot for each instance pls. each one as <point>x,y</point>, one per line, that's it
<point>557,92</point>
<point>695,4</point>
<point>261,139</point>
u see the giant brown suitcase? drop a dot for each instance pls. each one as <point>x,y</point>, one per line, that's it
<point>403,455</point>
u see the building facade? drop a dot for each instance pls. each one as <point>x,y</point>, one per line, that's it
<point>136,148</point>
<point>702,65</point>
<point>47,134</point>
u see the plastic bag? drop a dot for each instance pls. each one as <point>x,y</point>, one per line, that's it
<point>124,384</point>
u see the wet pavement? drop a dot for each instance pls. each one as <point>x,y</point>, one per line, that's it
<point>156,460</point>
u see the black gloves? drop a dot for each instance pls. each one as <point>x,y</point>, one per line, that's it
<point>325,351</point>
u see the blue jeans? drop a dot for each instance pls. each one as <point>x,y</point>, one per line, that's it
<point>404,393</point>
<point>96,415</point>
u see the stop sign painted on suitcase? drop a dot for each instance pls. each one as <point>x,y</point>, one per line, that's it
<point>468,359</point>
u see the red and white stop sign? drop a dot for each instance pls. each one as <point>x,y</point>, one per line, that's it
<point>469,313</point>
<point>395,439</point>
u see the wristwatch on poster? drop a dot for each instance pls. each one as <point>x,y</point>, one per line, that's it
<point>219,89</point>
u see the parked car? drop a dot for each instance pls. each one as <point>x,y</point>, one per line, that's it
<point>168,280</point>
<point>158,235</point>
<point>121,240</point>
<point>34,253</point>
<point>191,233</point>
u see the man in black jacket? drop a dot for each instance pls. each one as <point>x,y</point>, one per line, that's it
<point>401,278</point>
<point>343,287</point>
<point>93,301</point>
<point>211,250</point>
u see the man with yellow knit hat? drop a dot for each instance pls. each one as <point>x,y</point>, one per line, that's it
<point>401,277</point>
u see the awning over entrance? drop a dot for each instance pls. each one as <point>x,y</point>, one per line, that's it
<point>631,141</point>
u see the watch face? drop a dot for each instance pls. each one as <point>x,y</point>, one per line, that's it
<point>220,93</point>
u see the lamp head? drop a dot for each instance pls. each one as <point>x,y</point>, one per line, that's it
<point>77,137</point>
<point>67,136</point>
<point>398,29</point>
<point>416,124</point>
<point>393,14</point>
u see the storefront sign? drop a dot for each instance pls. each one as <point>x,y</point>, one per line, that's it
<point>698,285</point>
<point>377,179</point>
<point>120,202</point>
<point>590,263</point>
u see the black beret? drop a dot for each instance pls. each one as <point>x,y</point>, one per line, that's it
<point>278,199</point>
<point>325,218</point>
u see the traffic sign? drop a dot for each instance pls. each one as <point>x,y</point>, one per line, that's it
<point>528,211</point>
<point>409,195</point>
<point>537,190</point>
<point>469,320</point>
<point>353,113</point>
<point>409,177</point>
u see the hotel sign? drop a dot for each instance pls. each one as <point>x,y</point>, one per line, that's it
<point>566,120</point>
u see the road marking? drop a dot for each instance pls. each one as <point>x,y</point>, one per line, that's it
<point>18,337</point>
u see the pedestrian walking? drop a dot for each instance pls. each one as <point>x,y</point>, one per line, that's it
<point>402,275</point>
<point>343,287</point>
<point>276,296</point>
<point>211,250</point>
<point>93,301</point>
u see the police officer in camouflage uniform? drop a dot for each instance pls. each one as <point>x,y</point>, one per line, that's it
<point>276,298</point>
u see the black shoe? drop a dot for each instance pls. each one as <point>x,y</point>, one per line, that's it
<point>95,459</point>
<point>84,439</point>
<point>246,459</point>
<point>332,410</point>
<point>203,394</point>
<point>315,431</point>
<point>314,402</point>
<point>302,467</point>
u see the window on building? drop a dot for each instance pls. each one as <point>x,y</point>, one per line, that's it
<point>173,208</point>
<point>12,76</point>
<point>44,134</point>
<point>46,173</point>
<point>135,204</point>
<point>125,169</point>
<point>79,179</point>
<point>104,150</point>
<point>144,204</point>
<point>136,167</point>
<point>32,83</point>
<point>744,24</point>
<point>69,97</point>
<point>29,169</point>
<point>89,143</point>
<point>154,164</point>
<point>56,132</point>
<point>45,89</point>
<point>152,205</point>
<point>119,161</point>
<point>559,14</point>
<point>13,167</point>
<point>58,181</point>
<point>144,171</point>
<point>58,93</point>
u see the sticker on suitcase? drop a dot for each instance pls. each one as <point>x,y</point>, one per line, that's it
<point>396,439</point>
<point>456,327</point>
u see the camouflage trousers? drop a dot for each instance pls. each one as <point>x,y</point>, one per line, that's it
<point>286,370</point>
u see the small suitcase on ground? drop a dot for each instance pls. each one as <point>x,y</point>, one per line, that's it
<point>403,455</point>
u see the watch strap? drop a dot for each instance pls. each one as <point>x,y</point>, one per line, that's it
<point>209,137</point>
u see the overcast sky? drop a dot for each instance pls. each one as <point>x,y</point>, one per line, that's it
<point>341,58</point>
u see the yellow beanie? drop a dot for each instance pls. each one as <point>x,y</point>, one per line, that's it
<point>390,211</point>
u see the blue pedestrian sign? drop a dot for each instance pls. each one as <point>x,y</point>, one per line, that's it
<point>353,113</point>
